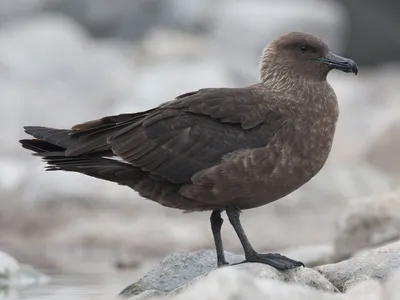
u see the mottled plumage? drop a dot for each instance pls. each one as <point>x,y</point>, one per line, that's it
<point>216,148</point>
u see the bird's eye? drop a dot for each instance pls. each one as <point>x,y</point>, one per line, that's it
<point>303,48</point>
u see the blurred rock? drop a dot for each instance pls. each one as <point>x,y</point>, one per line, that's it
<point>242,29</point>
<point>368,222</point>
<point>379,19</point>
<point>14,275</point>
<point>383,152</point>
<point>231,283</point>
<point>374,264</point>
<point>8,266</point>
<point>17,10</point>
<point>134,19</point>
<point>169,45</point>
<point>61,71</point>
<point>182,269</point>
<point>12,173</point>
<point>122,18</point>
<point>392,290</point>
<point>173,78</point>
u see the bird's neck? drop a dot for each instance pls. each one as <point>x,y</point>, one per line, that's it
<point>284,79</point>
<point>278,77</point>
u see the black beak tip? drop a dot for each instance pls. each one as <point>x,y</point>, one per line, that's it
<point>354,67</point>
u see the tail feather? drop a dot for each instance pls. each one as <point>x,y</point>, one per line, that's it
<point>41,146</point>
<point>86,138</point>
<point>51,145</point>
<point>58,137</point>
<point>94,166</point>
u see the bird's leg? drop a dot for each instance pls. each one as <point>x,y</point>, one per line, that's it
<point>275,260</point>
<point>216,224</point>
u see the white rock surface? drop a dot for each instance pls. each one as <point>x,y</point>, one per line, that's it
<point>14,275</point>
<point>184,275</point>
<point>182,269</point>
<point>233,284</point>
<point>376,264</point>
<point>8,265</point>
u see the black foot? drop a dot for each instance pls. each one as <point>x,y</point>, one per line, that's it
<point>275,260</point>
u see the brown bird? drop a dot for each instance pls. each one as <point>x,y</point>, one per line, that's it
<point>217,149</point>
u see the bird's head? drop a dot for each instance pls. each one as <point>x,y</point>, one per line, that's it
<point>304,55</point>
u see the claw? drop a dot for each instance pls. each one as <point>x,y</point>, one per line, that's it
<point>275,260</point>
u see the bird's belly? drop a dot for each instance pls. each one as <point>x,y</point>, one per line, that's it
<point>266,176</point>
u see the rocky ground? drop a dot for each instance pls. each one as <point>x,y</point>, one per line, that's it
<point>56,71</point>
<point>185,275</point>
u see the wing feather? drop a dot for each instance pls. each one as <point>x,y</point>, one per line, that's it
<point>195,131</point>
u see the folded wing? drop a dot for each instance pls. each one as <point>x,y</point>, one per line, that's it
<point>194,132</point>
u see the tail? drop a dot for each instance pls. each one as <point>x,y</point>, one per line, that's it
<point>84,148</point>
<point>91,165</point>
<point>112,170</point>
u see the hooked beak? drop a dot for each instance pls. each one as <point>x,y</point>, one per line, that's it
<point>340,63</point>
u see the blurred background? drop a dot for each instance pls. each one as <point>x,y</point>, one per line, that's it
<point>67,61</point>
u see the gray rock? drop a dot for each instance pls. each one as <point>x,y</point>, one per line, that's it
<point>367,222</point>
<point>182,269</point>
<point>134,19</point>
<point>233,284</point>
<point>258,22</point>
<point>12,11</point>
<point>121,18</point>
<point>374,264</point>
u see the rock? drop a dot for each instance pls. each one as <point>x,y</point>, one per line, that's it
<point>12,173</point>
<point>367,222</point>
<point>60,75</point>
<point>237,284</point>
<point>231,283</point>
<point>180,270</point>
<point>383,152</point>
<point>378,18</point>
<point>258,22</point>
<point>172,46</point>
<point>62,70</point>
<point>122,18</point>
<point>366,290</point>
<point>8,266</point>
<point>12,11</point>
<point>71,70</point>
<point>134,19</point>
<point>172,78</point>
<point>374,264</point>
<point>392,290</point>
<point>14,275</point>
